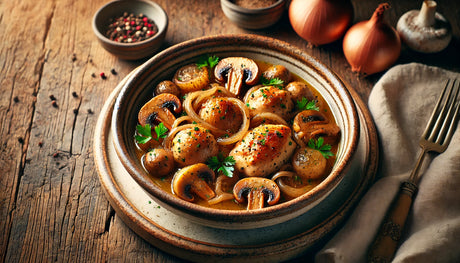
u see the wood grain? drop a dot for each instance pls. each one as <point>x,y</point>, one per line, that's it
<point>52,207</point>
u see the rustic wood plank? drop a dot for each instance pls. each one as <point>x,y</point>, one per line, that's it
<point>20,71</point>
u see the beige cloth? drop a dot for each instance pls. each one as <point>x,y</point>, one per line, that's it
<point>401,103</point>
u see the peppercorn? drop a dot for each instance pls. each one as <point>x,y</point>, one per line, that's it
<point>130,28</point>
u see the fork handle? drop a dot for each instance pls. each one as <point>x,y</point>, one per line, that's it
<point>389,234</point>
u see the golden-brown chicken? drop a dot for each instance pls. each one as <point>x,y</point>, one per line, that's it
<point>263,150</point>
<point>222,113</point>
<point>193,145</point>
<point>269,99</point>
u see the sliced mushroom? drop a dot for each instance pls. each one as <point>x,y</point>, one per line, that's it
<point>160,109</point>
<point>312,124</point>
<point>193,180</point>
<point>237,71</point>
<point>257,192</point>
<point>158,162</point>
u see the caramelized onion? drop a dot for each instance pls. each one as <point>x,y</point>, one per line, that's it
<point>320,21</point>
<point>372,46</point>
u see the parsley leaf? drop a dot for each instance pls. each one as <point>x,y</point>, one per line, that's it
<point>207,61</point>
<point>306,104</point>
<point>276,82</point>
<point>220,164</point>
<point>161,131</point>
<point>319,145</point>
<point>145,133</point>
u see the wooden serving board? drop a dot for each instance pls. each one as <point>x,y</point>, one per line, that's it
<point>191,241</point>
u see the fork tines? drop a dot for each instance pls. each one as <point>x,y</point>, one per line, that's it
<point>441,126</point>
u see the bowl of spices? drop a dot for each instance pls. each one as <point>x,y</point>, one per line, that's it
<point>131,29</point>
<point>255,14</point>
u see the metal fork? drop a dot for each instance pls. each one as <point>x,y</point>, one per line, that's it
<point>436,138</point>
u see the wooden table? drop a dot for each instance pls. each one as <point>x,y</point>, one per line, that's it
<point>52,207</point>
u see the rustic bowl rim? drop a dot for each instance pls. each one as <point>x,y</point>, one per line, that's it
<point>159,36</point>
<point>248,11</point>
<point>232,216</point>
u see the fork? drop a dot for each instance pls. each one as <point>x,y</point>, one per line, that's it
<point>435,138</point>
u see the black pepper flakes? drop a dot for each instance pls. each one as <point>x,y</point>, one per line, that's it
<point>90,111</point>
<point>74,94</point>
<point>16,99</point>
<point>103,76</point>
<point>75,111</point>
<point>113,71</point>
<point>93,75</point>
<point>54,103</point>
<point>52,97</point>
<point>74,57</point>
<point>40,144</point>
<point>21,140</point>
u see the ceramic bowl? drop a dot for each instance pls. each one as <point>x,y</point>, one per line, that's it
<point>135,50</point>
<point>253,18</point>
<point>139,89</point>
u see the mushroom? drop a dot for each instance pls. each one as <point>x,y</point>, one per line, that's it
<point>312,124</point>
<point>299,90</point>
<point>257,191</point>
<point>193,180</point>
<point>158,109</point>
<point>158,162</point>
<point>237,70</point>
<point>277,71</point>
<point>309,164</point>
<point>425,31</point>
<point>191,78</point>
<point>167,86</point>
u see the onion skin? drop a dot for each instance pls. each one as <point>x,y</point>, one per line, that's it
<point>320,21</point>
<point>372,46</point>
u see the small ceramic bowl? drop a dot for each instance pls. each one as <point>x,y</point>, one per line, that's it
<point>135,50</point>
<point>249,18</point>
<point>139,89</point>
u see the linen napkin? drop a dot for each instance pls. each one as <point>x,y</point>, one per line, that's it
<point>401,103</point>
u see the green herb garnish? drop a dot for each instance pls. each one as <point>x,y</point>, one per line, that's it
<point>220,164</point>
<point>207,61</point>
<point>276,82</point>
<point>161,131</point>
<point>145,133</point>
<point>324,149</point>
<point>305,104</point>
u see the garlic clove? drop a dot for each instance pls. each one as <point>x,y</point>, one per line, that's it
<point>425,30</point>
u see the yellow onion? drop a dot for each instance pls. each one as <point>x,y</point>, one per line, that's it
<point>320,21</point>
<point>372,46</point>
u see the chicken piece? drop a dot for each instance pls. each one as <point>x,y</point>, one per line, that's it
<point>222,113</point>
<point>193,145</point>
<point>270,99</point>
<point>263,150</point>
